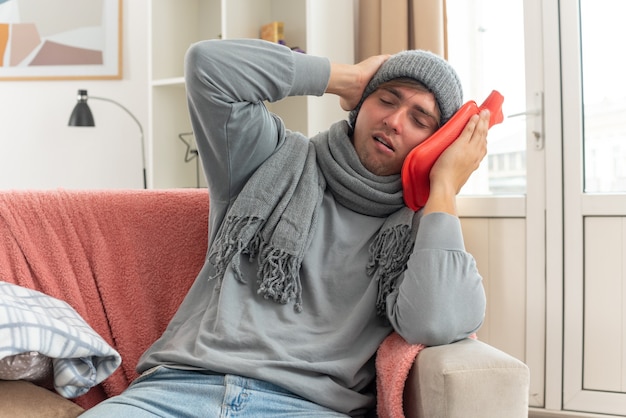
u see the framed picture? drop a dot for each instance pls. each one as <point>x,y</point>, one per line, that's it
<point>60,39</point>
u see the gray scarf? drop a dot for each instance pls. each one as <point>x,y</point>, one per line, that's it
<point>275,215</point>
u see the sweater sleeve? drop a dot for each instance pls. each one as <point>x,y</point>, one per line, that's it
<point>228,83</point>
<point>441,298</point>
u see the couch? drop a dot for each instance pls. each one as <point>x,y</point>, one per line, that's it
<point>123,259</point>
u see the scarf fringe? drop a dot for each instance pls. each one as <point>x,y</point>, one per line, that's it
<point>279,277</point>
<point>389,254</point>
<point>233,241</point>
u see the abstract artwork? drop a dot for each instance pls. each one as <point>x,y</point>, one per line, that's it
<point>60,39</point>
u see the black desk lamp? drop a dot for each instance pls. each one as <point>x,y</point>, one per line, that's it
<point>82,116</point>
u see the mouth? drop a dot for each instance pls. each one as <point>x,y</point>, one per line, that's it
<point>384,141</point>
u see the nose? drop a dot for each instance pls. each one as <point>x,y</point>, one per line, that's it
<point>394,120</point>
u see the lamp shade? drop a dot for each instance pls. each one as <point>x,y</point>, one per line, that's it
<point>81,115</point>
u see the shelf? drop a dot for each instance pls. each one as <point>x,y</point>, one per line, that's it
<point>173,81</point>
<point>321,27</point>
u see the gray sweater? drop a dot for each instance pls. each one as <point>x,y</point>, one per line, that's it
<point>326,352</point>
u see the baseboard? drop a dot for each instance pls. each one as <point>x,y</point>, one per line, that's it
<point>542,413</point>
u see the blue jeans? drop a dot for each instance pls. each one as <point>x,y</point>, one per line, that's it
<point>165,392</point>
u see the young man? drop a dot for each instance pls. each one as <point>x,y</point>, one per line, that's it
<point>313,258</point>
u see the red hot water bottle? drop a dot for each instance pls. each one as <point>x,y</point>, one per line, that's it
<point>417,165</point>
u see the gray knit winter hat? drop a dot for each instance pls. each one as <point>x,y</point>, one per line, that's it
<point>429,69</point>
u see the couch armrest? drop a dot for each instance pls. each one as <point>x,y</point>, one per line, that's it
<point>468,379</point>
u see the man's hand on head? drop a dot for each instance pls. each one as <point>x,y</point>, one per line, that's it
<point>348,81</point>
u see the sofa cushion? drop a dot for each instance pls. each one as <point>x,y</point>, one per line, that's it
<point>27,400</point>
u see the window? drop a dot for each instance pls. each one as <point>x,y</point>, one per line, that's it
<point>486,47</point>
<point>604,95</point>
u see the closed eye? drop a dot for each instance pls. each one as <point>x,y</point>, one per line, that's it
<point>421,120</point>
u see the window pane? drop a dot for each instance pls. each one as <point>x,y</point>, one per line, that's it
<point>604,94</point>
<point>486,46</point>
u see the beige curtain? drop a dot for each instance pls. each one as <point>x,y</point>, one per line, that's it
<point>389,26</point>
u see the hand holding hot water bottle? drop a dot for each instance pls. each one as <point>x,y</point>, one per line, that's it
<point>417,165</point>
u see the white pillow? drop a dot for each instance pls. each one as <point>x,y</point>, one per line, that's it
<point>31,321</point>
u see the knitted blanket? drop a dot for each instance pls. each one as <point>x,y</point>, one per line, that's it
<point>123,260</point>
<point>394,360</point>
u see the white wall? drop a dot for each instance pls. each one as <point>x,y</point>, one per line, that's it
<point>39,151</point>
